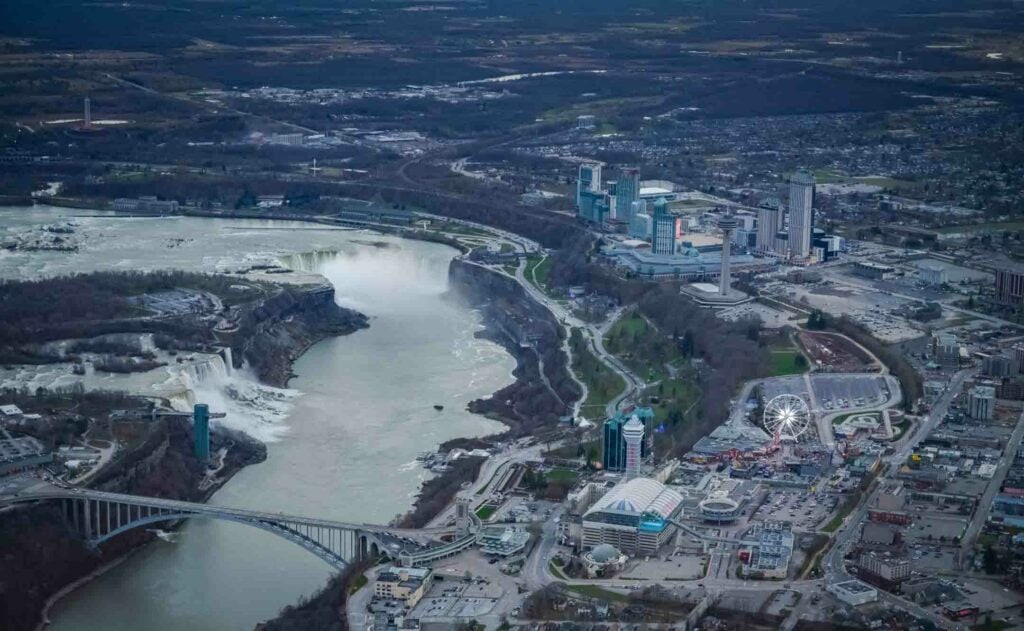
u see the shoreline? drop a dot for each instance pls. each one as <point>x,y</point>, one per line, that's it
<point>72,587</point>
<point>509,424</point>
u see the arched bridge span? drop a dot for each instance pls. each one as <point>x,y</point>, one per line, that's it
<point>100,516</point>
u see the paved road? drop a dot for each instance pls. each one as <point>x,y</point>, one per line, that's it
<point>592,335</point>
<point>833,564</point>
<point>985,505</point>
<point>190,508</point>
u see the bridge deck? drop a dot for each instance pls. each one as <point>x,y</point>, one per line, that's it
<point>206,509</point>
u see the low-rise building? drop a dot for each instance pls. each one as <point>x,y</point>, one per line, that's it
<point>878,534</point>
<point>932,274</point>
<point>145,204</point>
<point>872,270</point>
<point>883,569</point>
<point>853,593</point>
<point>603,560</point>
<point>21,453</point>
<point>768,550</point>
<point>404,584</point>
<point>503,541</point>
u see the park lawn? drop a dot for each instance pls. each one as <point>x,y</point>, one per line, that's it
<point>541,270</point>
<point>641,346</point>
<point>678,394</point>
<point>485,511</point>
<point>358,583</point>
<point>603,383</point>
<point>783,363</point>
<point>600,593</point>
<point>562,475</point>
<point>630,324</point>
<point>537,271</point>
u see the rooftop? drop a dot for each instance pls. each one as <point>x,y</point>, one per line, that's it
<point>639,496</point>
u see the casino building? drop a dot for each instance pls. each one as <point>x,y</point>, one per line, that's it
<point>634,517</point>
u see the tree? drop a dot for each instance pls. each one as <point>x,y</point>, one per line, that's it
<point>990,560</point>
<point>817,320</point>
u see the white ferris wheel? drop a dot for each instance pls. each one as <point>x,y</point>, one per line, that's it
<point>786,417</point>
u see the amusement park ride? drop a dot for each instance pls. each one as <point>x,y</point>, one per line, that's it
<point>786,418</point>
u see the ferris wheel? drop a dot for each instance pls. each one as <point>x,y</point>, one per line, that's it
<point>786,417</point>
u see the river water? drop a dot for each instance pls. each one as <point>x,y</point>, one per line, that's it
<point>361,409</point>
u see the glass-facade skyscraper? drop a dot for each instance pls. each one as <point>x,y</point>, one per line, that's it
<point>613,456</point>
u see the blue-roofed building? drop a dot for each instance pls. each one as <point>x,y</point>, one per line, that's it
<point>635,517</point>
<point>1008,509</point>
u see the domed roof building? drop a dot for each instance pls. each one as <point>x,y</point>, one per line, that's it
<point>635,517</point>
<point>603,560</point>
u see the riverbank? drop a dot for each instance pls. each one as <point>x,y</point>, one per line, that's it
<point>44,616</point>
<point>297,346</point>
<point>44,561</point>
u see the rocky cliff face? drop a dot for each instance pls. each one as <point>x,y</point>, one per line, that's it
<point>543,389</point>
<point>274,332</point>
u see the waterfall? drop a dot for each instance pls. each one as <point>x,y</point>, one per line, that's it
<point>309,261</point>
<point>225,354</point>
<point>251,407</point>
<point>209,368</point>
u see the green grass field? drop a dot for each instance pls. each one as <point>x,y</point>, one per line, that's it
<point>603,384</point>
<point>785,363</point>
<point>641,346</point>
<point>562,475</point>
<point>600,593</point>
<point>674,395</point>
<point>358,583</point>
<point>537,270</point>
<point>485,511</point>
<point>630,324</point>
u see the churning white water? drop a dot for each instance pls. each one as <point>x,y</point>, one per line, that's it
<point>360,412</point>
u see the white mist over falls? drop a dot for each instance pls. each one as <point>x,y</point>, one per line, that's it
<point>340,439</point>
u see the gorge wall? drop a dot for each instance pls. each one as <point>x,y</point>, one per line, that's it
<point>274,332</point>
<point>543,390</point>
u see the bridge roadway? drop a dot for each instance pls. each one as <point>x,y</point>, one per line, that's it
<point>100,516</point>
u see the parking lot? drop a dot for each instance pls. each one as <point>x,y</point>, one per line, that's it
<point>849,391</point>
<point>934,528</point>
<point>486,596</point>
<point>803,509</point>
<point>833,391</point>
<point>772,388</point>
<point>931,558</point>
<point>458,599</point>
<point>675,566</point>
